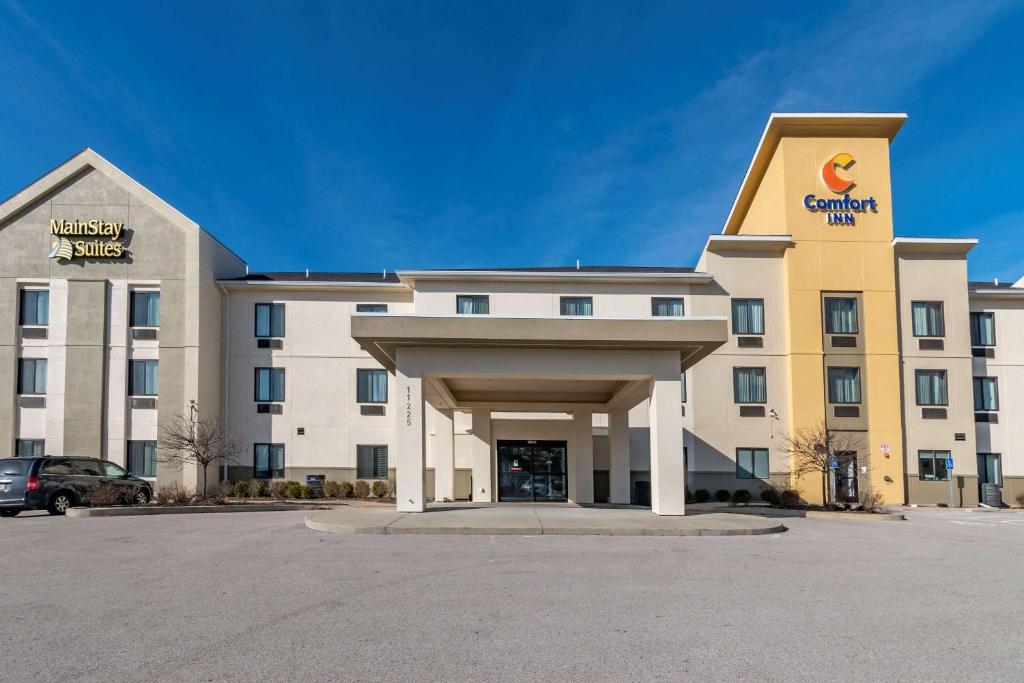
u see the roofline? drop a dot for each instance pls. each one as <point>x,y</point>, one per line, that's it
<point>410,276</point>
<point>934,245</point>
<point>774,131</point>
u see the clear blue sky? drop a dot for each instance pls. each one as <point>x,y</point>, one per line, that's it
<point>362,136</point>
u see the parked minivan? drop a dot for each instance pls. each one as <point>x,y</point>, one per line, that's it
<point>54,483</point>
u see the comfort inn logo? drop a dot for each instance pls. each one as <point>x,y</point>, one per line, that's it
<point>96,239</point>
<point>839,211</point>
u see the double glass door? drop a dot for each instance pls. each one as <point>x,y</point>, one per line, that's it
<point>532,471</point>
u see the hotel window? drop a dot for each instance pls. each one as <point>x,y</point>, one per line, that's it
<point>35,307</point>
<point>372,462</point>
<point>268,461</point>
<point>983,329</point>
<point>841,316</point>
<point>269,320</point>
<point>25,448</point>
<point>143,378</point>
<point>145,309</point>
<point>666,307</point>
<point>749,385</point>
<point>748,316</point>
<point>576,305</point>
<point>931,465</point>
<point>751,463</point>
<point>986,394</point>
<point>142,458</point>
<point>269,385</point>
<point>371,308</point>
<point>844,385</point>
<point>927,319</point>
<point>371,386</point>
<point>31,375</point>
<point>472,304</point>
<point>931,388</point>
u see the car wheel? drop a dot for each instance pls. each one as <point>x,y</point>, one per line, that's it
<point>9,513</point>
<point>141,497</point>
<point>60,503</point>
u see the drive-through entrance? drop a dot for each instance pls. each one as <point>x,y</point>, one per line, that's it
<point>531,471</point>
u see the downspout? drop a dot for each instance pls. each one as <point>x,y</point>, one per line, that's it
<point>225,380</point>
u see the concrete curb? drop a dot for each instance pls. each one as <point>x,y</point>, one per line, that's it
<point>182,510</point>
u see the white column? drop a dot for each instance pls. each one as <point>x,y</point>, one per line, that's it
<point>444,455</point>
<point>411,461</point>
<point>618,470</point>
<point>668,471</point>
<point>581,461</point>
<point>482,456</point>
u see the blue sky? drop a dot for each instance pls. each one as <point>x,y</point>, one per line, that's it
<point>363,136</point>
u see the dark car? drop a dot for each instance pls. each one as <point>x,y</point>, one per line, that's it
<point>54,483</point>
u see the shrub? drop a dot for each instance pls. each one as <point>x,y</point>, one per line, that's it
<point>106,495</point>
<point>362,489</point>
<point>332,489</point>
<point>770,496</point>
<point>722,495</point>
<point>174,494</point>
<point>279,490</point>
<point>701,495</point>
<point>741,496</point>
<point>870,500</point>
<point>293,489</point>
<point>241,489</point>
<point>379,489</point>
<point>346,489</point>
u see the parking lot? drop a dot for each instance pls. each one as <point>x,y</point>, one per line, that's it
<point>256,596</point>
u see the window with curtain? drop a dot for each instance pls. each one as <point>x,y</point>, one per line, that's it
<point>371,462</point>
<point>986,393</point>
<point>751,463</point>
<point>371,386</point>
<point>576,305</point>
<point>371,308</point>
<point>24,448</point>
<point>748,316</point>
<point>666,306</point>
<point>927,319</point>
<point>844,385</point>
<point>931,388</point>
<point>142,458</point>
<point>35,307</point>
<point>145,309</point>
<point>983,329</point>
<point>269,385</point>
<point>143,378</point>
<point>269,320</point>
<point>749,385</point>
<point>31,375</point>
<point>931,465</point>
<point>841,316</point>
<point>472,304</point>
<point>268,461</point>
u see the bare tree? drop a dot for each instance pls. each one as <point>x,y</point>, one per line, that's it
<point>200,442</point>
<point>811,450</point>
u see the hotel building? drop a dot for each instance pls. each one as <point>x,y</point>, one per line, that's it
<point>584,384</point>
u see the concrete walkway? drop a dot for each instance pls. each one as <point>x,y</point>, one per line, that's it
<point>530,520</point>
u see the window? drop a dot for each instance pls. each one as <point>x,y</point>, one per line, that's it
<point>748,316</point>
<point>142,458</point>
<point>269,385</point>
<point>844,385</point>
<point>31,375</point>
<point>472,304</point>
<point>751,463</point>
<point>143,378</point>
<point>29,447</point>
<point>986,393</point>
<point>576,305</point>
<point>268,461</point>
<point>931,465</point>
<point>682,385</point>
<point>927,319</point>
<point>663,306</point>
<point>269,320</point>
<point>841,316</point>
<point>35,307</point>
<point>371,308</point>
<point>983,329</point>
<point>931,388</point>
<point>749,386</point>
<point>371,386</point>
<point>145,310</point>
<point>372,462</point>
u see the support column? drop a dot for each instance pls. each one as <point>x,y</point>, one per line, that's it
<point>444,455</point>
<point>668,471</point>
<point>411,462</point>
<point>482,456</point>
<point>581,462</point>
<point>618,470</point>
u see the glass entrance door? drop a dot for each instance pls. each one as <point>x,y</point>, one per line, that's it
<point>530,471</point>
